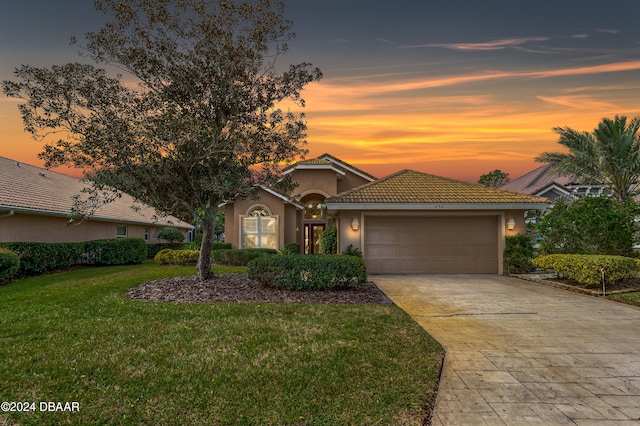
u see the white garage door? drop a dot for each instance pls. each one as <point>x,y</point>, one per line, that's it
<point>431,245</point>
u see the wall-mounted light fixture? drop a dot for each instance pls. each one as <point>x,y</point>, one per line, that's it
<point>355,224</point>
<point>511,224</point>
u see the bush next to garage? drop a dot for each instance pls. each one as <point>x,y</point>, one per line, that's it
<point>587,269</point>
<point>518,253</point>
<point>239,257</point>
<point>177,257</point>
<point>318,272</point>
<point>9,265</point>
<point>38,258</point>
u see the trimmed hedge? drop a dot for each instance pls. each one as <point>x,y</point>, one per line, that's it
<point>9,264</point>
<point>38,258</point>
<point>239,257</point>
<point>220,245</point>
<point>587,269</point>
<point>177,257</point>
<point>300,272</point>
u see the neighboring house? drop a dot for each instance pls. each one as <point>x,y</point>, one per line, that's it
<point>35,206</point>
<point>544,182</point>
<point>405,223</point>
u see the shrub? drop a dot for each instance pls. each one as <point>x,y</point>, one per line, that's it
<point>115,251</point>
<point>177,257</point>
<point>317,272</point>
<point>589,225</point>
<point>587,269</point>
<point>352,251</point>
<point>9,264</point>
<point>239,257</point>
<point>518,253</point>
<point>38,258</point>
<point>221,245</point>
<point>292,248</point>
<point>153,249</point>
<point>329,240</point>
<point>170,234</point>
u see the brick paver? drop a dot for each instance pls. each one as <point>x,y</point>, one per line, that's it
<point>522,353</point>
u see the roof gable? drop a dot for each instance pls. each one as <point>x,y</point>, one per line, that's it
<point>31,189</point>
<point>409,187</point>
<point>328,162</point>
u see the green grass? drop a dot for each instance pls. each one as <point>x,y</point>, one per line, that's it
<point>74,336</point>
<point>631,298</point>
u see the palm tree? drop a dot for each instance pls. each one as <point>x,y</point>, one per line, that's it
<point>610,155</point>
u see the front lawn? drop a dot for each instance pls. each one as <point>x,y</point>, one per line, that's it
<point>75,337</point>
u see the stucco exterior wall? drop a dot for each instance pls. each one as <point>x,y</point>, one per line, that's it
<point>286,218</point>
<point>318,181</point>
<point>347,235</point>
<point>350,181</point>
<point>52,229</point>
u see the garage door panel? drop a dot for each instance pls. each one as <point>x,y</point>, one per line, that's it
<point>411,245</point>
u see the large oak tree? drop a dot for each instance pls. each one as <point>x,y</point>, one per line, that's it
<point>193,121</point>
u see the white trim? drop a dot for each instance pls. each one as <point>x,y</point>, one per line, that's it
<point>314,167</point>
<point>255,206</point>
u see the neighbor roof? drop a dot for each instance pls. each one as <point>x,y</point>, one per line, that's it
<point>537,180</point>
<point>408,189</point>
<point>29,189</point>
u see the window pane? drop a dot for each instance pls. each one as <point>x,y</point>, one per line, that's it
<point>269,241</point>
<point>121,231</point>
<point>250,241</point>
<point>268,225</point>
<point>250,225</point>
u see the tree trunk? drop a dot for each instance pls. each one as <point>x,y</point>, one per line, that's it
<point>204,260</point>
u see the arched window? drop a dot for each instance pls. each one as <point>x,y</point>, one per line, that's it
<point>313,209</point>
<point>260,229</point>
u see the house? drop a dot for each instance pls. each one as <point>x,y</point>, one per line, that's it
<point>275,220</point>
<point>405,223</point>
<point>35,205</point>
<point>544,182</point>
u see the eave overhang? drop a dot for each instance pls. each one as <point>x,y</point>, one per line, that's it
<point>435,206</point>
<point>53,213</point>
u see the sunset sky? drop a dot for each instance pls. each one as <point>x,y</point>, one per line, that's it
<point>455,88</point>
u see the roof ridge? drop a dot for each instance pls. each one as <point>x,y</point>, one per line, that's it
<point>409,187</point>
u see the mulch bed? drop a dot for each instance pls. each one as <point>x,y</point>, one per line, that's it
<point>239,288</point>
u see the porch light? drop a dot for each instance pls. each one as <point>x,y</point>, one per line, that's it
<point>355,224</point>
<point>511,224</point>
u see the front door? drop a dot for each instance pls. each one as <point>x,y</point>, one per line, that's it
<point>312,233</point>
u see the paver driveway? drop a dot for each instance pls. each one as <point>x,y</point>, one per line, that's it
<point>525,353</point>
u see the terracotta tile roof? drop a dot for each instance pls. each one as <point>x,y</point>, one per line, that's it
<point>313,162</point>
<point>537,180</point>
<point>408,186</point>
<point>30,188</point>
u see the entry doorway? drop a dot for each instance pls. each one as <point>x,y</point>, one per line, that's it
<point>312,233</point>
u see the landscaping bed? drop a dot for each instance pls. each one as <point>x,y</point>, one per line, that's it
<point>623,286</point>
<point>240,288</point>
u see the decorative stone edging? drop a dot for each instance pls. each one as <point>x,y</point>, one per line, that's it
<point>544,279</point>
